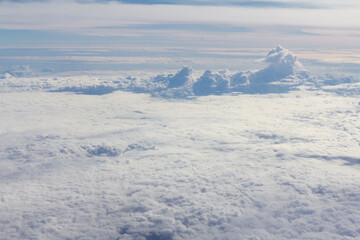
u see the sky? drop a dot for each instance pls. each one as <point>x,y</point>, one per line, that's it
<point>84,23</point>
<point>164,28</point>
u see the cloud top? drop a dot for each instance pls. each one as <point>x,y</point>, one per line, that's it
<point>282,63</point>
<point>283,73</point>
<point>181,77</point>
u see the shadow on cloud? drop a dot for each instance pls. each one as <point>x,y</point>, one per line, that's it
<point>348,160</point>
<point>89,90</point>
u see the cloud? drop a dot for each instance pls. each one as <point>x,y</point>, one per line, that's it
<point>57,16</point>
<point>19,71</point>
<point>243,3</point>
<point>212,83</point>
<point>89,90</point>
<point>283,73</point>
<point>333,80</point>
<point>129,166</point>
<point>282,63</point>
<point>248,3</point>
<point>68,23</point>
<point>180,78</point>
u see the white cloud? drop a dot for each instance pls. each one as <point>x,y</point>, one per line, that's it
<point>282,63</point>
<point>19,71</point>
<point>284,73</point>
<point>130,166</point>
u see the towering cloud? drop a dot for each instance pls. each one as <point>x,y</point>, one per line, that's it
<point>280,75</point>
<point>180,78</point>
<point>282,64</point>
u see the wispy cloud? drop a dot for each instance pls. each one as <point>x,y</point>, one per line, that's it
<point>154,24</point>
<point>246,3</point>
<point>71,15</point>
<point>241,3</point>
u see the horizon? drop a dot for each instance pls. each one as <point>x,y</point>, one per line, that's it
<point>170,34</point>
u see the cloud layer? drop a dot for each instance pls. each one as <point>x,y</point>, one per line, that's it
<point>53,24</point>
<point>245,3</point>
<point>135,167</point>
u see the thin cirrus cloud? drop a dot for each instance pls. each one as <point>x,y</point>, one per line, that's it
<point>249,3</point>
<point>309,4</point>
<point>72,15</point>
<point>181,21</point>
<point>242,3</point>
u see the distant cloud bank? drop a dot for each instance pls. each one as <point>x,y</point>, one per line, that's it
<point>283,73</point>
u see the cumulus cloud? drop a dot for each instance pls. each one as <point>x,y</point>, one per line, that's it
<point>283,73</point>
<point>18,71</point>
<point>282,63</point>
<point>180,78</point>
<point>212,82</point>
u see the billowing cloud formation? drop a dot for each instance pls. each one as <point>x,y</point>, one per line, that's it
<point>211,82</point>
<point>284,73</point>
<point>182,77</point>
<point>131,167</point>
<point>282,63</point>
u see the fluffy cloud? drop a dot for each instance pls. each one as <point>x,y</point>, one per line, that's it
<point>181,78</point>
<point>133,167</point>
<point>284,73</point>
<point>130,166</point>
<point>282,63</point>
<point>212,82</point>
